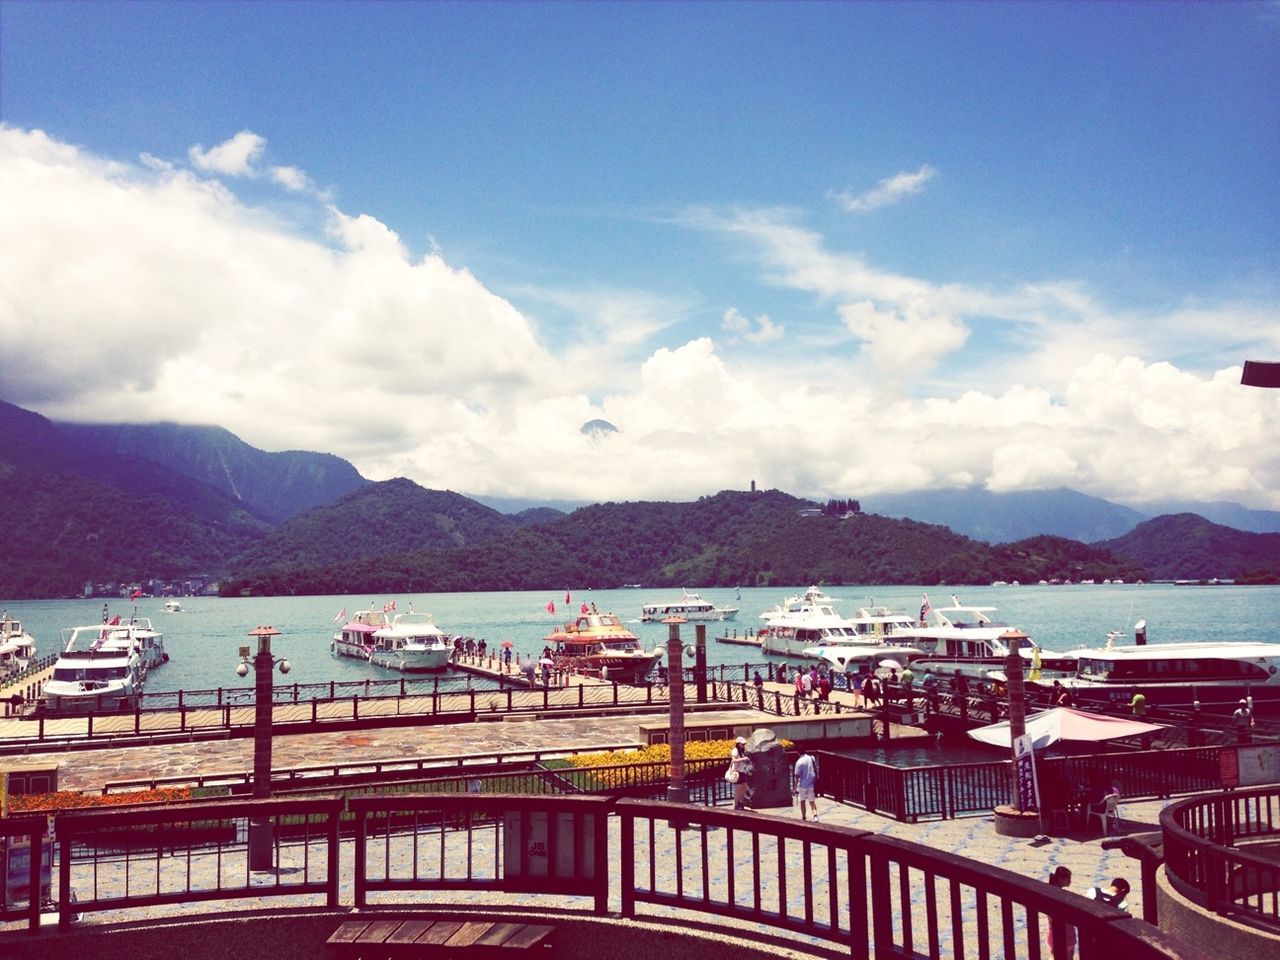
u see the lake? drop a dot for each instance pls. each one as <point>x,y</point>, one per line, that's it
<point>204,638</point>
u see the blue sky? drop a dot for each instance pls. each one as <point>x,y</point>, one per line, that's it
<point>835,248</point>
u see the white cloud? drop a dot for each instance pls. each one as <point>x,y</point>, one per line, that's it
<point>761,330</point>
<point>291,178</point>
<point>887,192</point>
<point>235,157</point>
<point>146,292</point>
<point>913,338</point>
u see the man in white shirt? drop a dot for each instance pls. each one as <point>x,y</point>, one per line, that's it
<point>806,783</point>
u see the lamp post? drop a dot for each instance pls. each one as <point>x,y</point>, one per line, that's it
<point>1017,701</point>
<point>261,839</point>
<point>677,792</point>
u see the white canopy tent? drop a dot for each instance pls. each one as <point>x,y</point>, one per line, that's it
<point>1064,723</point>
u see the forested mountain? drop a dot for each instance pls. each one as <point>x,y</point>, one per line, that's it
<point>391,518</point>
<point>62,530</point>
<point>732,538</point>
<point>1188,547</point>
<point>129,503</point>
<point>274,485</point>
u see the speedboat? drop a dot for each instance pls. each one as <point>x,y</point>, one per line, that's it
<point>809,621</point>
<point>355,639</point>
<point>172,606</point>
<point>103,667</point>
<point>598,641</point>
<point>967,640</point>
<point>1212,674</point>
<point>17,647</point>
<point>411,642</point>
<point>690,606</point>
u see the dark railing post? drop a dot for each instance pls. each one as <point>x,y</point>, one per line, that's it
<point>628,865</point>
<point>700,661</point>
<point>361,857</point>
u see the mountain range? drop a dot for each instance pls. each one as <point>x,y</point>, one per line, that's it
<point>118,501</point>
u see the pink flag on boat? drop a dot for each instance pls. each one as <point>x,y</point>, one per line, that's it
<point>551,606</point>
<point>341,615</point>
<point>567,601</point>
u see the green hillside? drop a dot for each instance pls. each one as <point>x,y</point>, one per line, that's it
<point>1185,546</point>
<point>732,538</point>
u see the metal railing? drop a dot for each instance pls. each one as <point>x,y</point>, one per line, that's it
<point>945,791</point>
<point>1205,860</point>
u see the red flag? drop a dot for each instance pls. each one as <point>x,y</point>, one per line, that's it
<point>551,606</point>
<point>924,610</point>
<point>136,593</point>
<point>341,613</point>
<point>567,601</point>
<point>114,621</point>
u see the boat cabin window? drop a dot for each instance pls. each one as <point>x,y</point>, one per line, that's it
<point>90,673</point>
<point>1176,670</point>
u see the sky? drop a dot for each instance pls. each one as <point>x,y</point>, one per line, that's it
<point>625,251</point>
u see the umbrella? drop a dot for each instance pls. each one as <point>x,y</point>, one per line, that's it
<point>508,643</point>
<point>1064,723</point>
<point>891,664</point>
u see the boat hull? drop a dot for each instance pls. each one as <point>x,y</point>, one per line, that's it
<point>412,661</point>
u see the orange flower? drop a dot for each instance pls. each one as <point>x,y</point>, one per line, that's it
<point>74,800</point>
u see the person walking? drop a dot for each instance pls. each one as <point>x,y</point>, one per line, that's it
<point>805,783</point>
<point>739,773</point>
<point>1060,936</point>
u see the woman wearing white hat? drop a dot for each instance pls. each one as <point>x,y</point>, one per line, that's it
<point>739,773</point>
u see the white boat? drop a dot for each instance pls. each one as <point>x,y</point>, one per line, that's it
<point>355,639</point>
<point>17,647</point>
<point>412,642</point>
<point>809,621</point>
<point>967,640</point>
<point>1216,674</point>
<point>103,667</point>
<point>172,606</point>
<point>690,606</point>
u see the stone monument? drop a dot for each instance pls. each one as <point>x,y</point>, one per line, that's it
<point>770,775</point>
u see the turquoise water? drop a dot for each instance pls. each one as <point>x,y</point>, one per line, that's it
<point>203,640</point>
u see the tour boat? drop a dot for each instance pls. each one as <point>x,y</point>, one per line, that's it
<point>967,640</point>
<point>104,666</point>
<point>1216,675</point>
<point>809,621</point>
<point>596,641</point>
<point>411,642</point>
<point>690,606</point>
<point>17,647</point>
<point>355,639</point>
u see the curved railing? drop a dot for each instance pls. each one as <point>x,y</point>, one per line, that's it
<point>1207,858</point>
<point>807,885</point>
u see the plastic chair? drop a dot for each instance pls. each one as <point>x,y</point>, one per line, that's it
<point>1105,811</point>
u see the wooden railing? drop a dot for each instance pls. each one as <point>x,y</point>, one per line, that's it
<point>832,887</point>
<point>1207,860</point>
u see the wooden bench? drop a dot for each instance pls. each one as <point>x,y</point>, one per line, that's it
<point>440,939</point>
